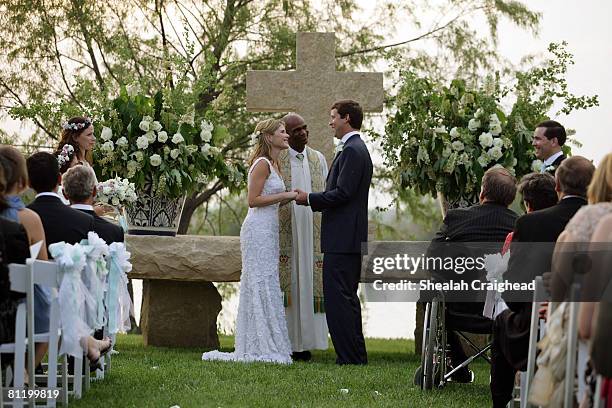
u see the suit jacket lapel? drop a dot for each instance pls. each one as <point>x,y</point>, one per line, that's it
<point>357,136</point>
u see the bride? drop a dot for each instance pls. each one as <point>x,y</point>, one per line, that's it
<point>261,328</point>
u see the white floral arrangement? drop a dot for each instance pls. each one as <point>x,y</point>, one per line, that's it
<point>117,192</point>
<point>163,152</point>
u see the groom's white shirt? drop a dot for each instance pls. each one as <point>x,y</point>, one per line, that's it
<point>346,137</point>
<point>551,159</point>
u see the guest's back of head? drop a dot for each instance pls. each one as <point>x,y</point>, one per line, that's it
<point>79,184</point>
<point>574,175</point>
<point>15,170</point>
<point>538,191</point>
<point>600,188</point>
<point>43,171</point>
<point>498,186</point>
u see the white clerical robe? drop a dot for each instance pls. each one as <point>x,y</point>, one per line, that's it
<point>307,329</point>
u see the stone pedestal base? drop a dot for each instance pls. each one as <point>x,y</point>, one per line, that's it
<point>180,314</point>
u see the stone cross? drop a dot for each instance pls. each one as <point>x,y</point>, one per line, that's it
<point>313,87</point>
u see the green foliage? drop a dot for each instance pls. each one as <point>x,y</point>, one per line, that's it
<point>442,138</point>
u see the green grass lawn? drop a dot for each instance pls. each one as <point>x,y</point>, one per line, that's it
<point>164,377</point>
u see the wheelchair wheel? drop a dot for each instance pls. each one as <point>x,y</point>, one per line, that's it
<point>433,355</point>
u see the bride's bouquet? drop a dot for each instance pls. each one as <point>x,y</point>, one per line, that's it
<point>117,192</point>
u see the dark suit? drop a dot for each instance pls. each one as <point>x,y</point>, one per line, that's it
<point>344,227</point>
<point>61,223</point>
<point>481,223</point>
<point>511,331</point>
<point>14,248</point>
<point>106,230</point>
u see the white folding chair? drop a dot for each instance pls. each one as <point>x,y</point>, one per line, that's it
<point>572,347</point>
<point>535,331</point>
<point>23,278</point>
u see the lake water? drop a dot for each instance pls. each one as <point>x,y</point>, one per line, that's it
<point>381,320</point>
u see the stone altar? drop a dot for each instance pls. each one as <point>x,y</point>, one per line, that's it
<point>180,303</point>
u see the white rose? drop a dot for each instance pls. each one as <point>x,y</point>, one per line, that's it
<point>454,133</point>
<point>205,150</point>
<point>107,189</point>
<point>486,139</point>
<point>493,118</point>
<point>162,136</point>
<point>514,162</point>
<point>132,165</point>
<point>440,129</point>
<point>177,138</point>
<point>174,153</point>
<point>446,152</point>
<point>215,150</point>
<point>205,135</point>
<point>108,146</point>
<point>473,125</point>
<point>107,133</point>
<point>495,153</point>
<point>147,119</point>
<point>478,113</point>
<point>495,128</point>
<point>144,126</point>
<point>155,160</point>
<point>139,156</point>
<point>150,136</point>
<point>122,141</point>
<point>142,142</point>
<point>483,160</point>
<point>497,142</point>
<point>191,149</point>
<point>156,126</point>
<point>457,146</point>
<point>115,201</point>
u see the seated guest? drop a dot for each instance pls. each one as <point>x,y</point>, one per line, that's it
<point>79,184</point>
<point>16,176</point>
<point>61,223</point>
<point>80,188</point>
<point>580,228</point>
<point>13,249</point>
<point>489,221</point>
<point>511,329</point>
<point>596,320</point>
<point>538,192</point>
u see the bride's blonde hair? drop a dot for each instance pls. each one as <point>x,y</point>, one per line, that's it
<point>263,147</point>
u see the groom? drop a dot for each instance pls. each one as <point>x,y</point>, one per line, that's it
<point>344,227</point>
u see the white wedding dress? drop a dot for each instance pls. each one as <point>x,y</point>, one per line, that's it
<point>261,328</point>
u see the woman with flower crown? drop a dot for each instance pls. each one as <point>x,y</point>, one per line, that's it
<point>261,328</point>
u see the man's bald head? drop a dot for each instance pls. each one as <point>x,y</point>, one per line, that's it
<point>297,130</point>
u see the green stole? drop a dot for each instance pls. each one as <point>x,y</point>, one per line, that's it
<point>286,234</point>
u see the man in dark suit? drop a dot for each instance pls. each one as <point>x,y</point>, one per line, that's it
<point>489,221</point>
<point>61,223</point>
<point>79,185</point>
<point>548,139</point>
<point>511,330</point>
<point>344,228</point>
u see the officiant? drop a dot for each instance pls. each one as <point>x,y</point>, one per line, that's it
<point>301,260</point>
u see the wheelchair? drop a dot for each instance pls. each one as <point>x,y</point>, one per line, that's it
<point>438,319</point>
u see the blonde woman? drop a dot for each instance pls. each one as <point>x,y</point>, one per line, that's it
<point>261,328</point>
